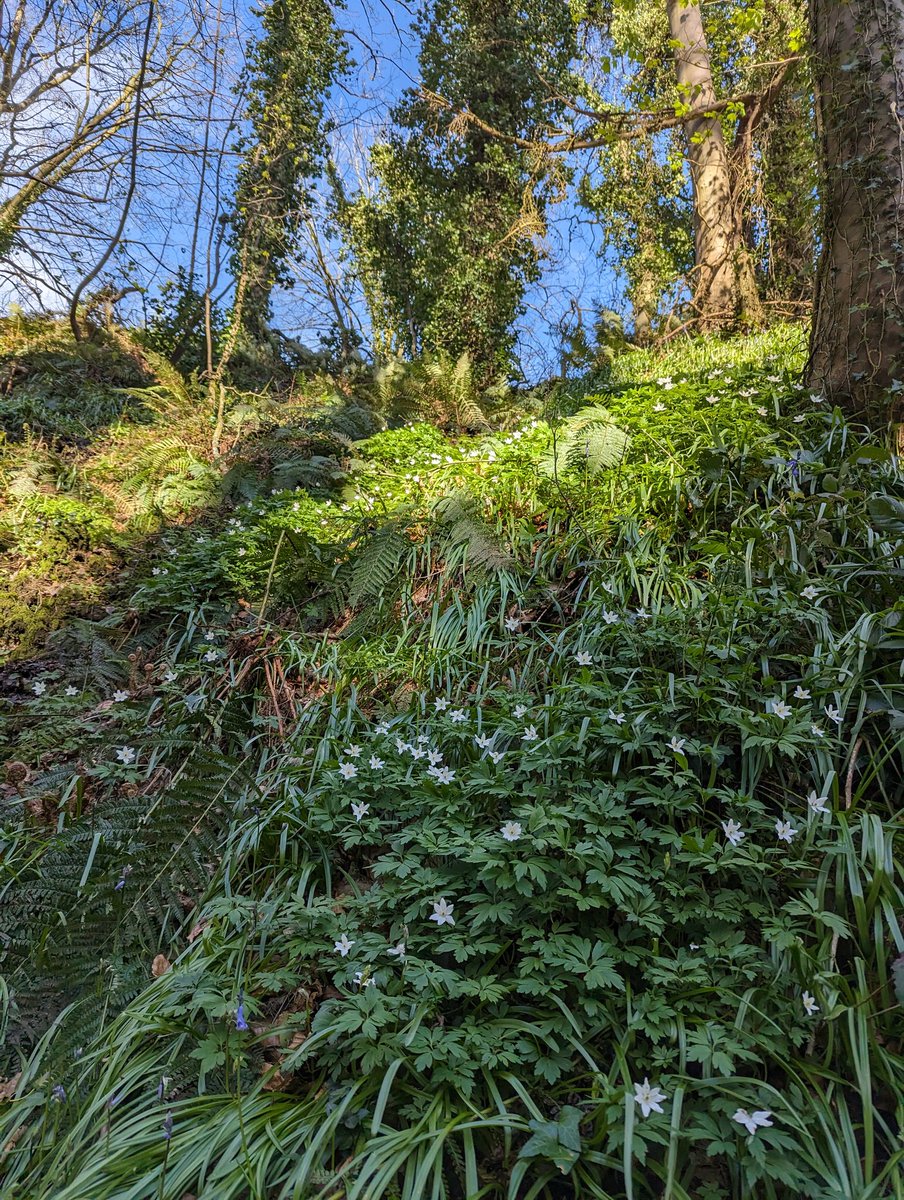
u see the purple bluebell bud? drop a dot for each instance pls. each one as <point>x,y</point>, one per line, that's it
<point>240,1023</point>
<point>168,1127</point>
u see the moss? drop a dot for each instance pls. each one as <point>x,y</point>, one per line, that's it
<point>34,605</point>
<point>48,528</point>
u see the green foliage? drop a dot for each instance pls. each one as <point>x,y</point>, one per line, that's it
<point>71,509</point>
<point>639,186</point>
<point>445,244</point>
<point>59,391</point>
<point>543,707</point>
<point>45,527</point>
<point>299,55</point>
<point>640,193</point>
<point>175,324</point>
<point>590,439</point>
<point>437,388</point>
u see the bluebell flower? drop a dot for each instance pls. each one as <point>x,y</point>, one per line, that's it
<point>168,1127</point>
<point>58,1092</point>
<point>240,1023</point>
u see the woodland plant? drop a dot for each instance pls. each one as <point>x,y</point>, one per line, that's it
<point>413,786</point>
<point>511,816</point>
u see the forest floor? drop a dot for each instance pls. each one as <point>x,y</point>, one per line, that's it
<point>444,794</point>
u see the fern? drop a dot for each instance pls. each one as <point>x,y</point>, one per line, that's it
<point>589,440</point>
<point>466,528</point>
<point>453,391</point>
<point>371,571</point>
<point>171,391</point>
<point>317,473</point>
<point>27,480</point>
<point>65,918</point>
<point>167,474</point>
<point>351,420</point>
<point>436,387</point>
<point>98,658</point>
<point>165,456</point>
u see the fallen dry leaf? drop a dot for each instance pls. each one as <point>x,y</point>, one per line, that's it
<point>160,966</point>
<point>14,1137</point>
<point>275,1081</point>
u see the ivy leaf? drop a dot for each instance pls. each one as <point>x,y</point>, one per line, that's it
<point>559,1141</point>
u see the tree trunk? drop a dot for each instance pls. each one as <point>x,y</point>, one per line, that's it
<point>725,287</point>
<point>644,295</point>
<point>857,338</point>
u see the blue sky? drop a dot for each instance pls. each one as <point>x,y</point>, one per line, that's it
<point>67,238</point>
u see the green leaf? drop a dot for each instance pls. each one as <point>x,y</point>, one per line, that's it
<point>559,1141</point>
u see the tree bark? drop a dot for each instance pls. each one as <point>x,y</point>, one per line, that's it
<point>857,337</point>
<point>725,289</point>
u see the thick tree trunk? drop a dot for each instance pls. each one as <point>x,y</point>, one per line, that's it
<point>724,286</point>
<point>857,339</point>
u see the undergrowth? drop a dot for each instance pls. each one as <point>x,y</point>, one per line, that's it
<point>461,811</point>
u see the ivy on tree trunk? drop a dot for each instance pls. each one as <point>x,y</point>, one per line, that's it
<point>857,339</point>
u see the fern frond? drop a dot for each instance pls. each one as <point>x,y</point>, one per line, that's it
<point>172,390</point>
<point>466,528</point>
<point>376,561</point>
<point>82,640</point>
<point>590,440</point>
